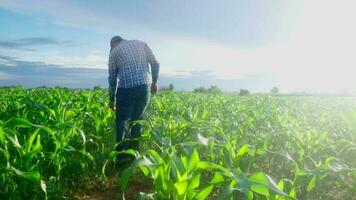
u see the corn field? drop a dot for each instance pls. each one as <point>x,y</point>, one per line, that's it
<point>56,141</point>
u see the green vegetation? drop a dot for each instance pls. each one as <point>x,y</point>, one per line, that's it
<point>56,141</point>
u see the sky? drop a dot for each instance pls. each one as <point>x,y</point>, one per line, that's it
<point>298,46</point>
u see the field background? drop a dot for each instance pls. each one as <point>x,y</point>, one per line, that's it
<point>58,143</point>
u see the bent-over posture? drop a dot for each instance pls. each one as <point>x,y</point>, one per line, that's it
<point>133,63</point>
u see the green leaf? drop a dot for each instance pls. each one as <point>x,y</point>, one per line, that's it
<point>311,184</point>
<point>86,154</point>
<point>243,151</point>
<point>113,154</point>
<point>184,161</point>
<point>195,182</point>
<point>193,161</point>
<point>225,193</point>
<point>218,177</point>
<point>82,135</point>
<point>69,114</point>
<point>103,169</point>
<point>204,193</point>
<point>293,193</point>
<point>178,168</point>
<point>2,136</point>
<point>260,182</point>
<point>241,180</point>
<point>14,140</point>
<point>18,122</point>
<point>249,195</point>
<point>31,139</point>
<point>260,152</point>
<point>158,159</point>
<point>227,154</point>
<point>145,170</point>
<point>181,187</point>
<point>205,165</point>
<point>38,145</point>
<point>281,185</point>
<point>32,176</point>
<point>191,194</point>
<point>260,189</point>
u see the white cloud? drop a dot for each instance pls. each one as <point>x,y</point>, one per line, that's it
<point>93,59</point>
<point>6,63</point>
<point>90,60</point>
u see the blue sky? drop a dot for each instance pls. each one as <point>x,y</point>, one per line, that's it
<point>295,45</point>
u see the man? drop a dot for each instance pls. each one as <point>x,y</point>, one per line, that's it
<point>134,64</point>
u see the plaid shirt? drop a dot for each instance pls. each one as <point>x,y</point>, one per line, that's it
<point>129,61</point>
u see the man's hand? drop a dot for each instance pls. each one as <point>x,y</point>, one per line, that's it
<point>112,105</point>
<point>154,88</point>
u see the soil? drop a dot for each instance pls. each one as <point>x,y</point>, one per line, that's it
<point>112,191</point>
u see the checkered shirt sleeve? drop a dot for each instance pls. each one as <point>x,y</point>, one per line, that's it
<point>153,62</point>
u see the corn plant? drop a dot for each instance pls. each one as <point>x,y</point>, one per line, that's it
<point>55,141</point>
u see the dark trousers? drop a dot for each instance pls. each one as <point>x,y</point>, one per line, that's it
<point>131,104</point>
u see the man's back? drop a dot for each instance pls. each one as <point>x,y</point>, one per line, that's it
<point>130,60</point>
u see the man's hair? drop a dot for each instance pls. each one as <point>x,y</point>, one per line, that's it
<point>115,39</point>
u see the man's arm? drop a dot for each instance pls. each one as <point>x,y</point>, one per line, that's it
<point>113,72</point>
<point>154,64</point>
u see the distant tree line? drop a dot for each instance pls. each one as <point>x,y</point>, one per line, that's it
<point>244,92</point>
<point>214,89</point>
<point>170,87</point>
<point>274,90</point>
<point>211,90</point>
